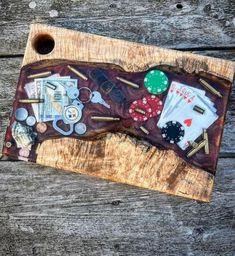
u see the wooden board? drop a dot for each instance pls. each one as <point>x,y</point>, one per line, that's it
<point>190,181</point>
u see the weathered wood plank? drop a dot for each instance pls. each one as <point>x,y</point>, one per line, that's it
<point>10,68</point>
<point>49,212</point>
<point>196,24</point>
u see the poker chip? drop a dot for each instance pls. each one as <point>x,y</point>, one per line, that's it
<point>155,103</point>
<point>140,110</point>
<point>172,132</point>
<point>156,82</point>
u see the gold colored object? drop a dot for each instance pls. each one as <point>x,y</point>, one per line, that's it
<point>139,110</point>
<point>195,150</point>
<point>29,101</point>
<point>198,109</point>
<point>131,84</point>
<point>205,137</point>
<point>43,74</point>
<point>78,73</point>
<point>105,118</point>
<point>210,88</point>
<point>193,144</point>
<point>144,130</point>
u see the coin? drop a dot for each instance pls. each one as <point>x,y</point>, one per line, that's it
<point>41,127</point>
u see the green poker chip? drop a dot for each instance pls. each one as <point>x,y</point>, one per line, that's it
<point>156,82</point>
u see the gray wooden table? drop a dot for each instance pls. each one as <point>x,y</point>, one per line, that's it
<point>49,212</point>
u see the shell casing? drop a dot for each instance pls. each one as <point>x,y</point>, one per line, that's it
<point>195,150</point>
<point>144,130</point>
<point>39,75</point>
<point>210,88</point>
<point>29,101</point>
<point>131,84</point>
<point>205,137</point>
<point>140,111</point>
<point>105,118</point>
<point>199,109</point>
<point>78,73</point>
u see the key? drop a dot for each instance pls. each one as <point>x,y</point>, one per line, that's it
<point>97,98</point>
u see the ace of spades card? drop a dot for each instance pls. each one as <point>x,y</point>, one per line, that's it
<point>179,106</point>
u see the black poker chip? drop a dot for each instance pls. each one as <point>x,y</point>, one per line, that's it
<point>172,132</point>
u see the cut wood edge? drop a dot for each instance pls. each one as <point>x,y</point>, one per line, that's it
<point>118,158</point>
<point>132,57</point>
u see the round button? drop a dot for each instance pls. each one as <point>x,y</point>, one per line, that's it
<point>156,82</point>
<point>31,121</point>
<point>21,114</point>
<point>72,114</point>
<point>80,128</point>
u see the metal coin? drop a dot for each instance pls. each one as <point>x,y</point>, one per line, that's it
<point>24,152</point>
<point>31,121</point>
<point>80,128</point>
<point>21,114</point>
<point>41,127</point>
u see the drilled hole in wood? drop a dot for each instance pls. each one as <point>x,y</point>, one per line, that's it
<point>179,6</point>
<point>43,44</point>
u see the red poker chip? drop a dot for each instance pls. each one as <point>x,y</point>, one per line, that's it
<point>155,104</point>
<point>142,105</point>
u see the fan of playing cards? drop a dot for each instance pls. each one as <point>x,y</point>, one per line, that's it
<point>186,112</point>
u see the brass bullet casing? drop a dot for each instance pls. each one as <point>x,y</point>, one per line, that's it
<point>144,130</point>
<point>78,73</point>
<point>193,144</point>
<point>195,150</point>
<point>104,118</point>
<point>39,75</point>
<point>29,101</point>
<point>131,84</point>
<point>205,137</point>
<point>199,109</point>
<point>140,111</point>
<point>210,88</point>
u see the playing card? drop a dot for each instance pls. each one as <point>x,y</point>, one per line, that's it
<point>179,105</point>
<point>194,122</point>
<point>178,95</point>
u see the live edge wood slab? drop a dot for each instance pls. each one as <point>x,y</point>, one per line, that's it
<point>118,156</point>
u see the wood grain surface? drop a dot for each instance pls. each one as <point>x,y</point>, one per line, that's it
<point>175,176</point>
<point>48,212</point>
